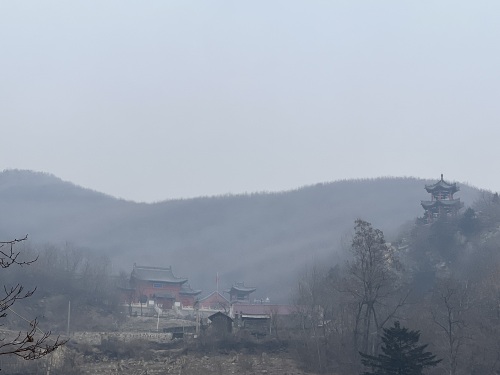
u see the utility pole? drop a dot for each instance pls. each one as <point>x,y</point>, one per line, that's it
<point>158,321</point>
<point>197,309</point>
<point>69,316</point>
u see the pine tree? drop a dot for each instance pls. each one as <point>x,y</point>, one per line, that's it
<point>401,354</point>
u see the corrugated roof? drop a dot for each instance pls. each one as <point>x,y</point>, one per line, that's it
<point>264,309</point>
<point>263,316</point>
<point>158,274</point>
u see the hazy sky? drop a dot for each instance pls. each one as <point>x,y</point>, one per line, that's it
<point>151,100</point>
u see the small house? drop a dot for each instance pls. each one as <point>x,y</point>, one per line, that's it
<point>221,323</point>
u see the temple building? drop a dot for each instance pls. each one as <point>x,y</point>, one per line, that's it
<point>240,293</point>
<point>161,286</point>
<point>442,203</point>
<point>187,295</point>
<point>215,301</point>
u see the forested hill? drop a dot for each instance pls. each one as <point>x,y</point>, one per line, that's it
<point>263,239</point>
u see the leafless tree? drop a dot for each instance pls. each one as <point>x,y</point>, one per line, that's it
<point>487,206</point>
<point>308,307</point>
<point>452,301</point>
<point>372,281</point>
<point>32,343</point>
<point>275,321</point>
<point>325,317</point>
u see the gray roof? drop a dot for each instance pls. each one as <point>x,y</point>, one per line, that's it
<point>240,287</point>
<point>443,203</point>
<point>218,313</point>
<point>442,185</point>
<point>224,299</point>
<point>187,290</point>
<point>159,274</point>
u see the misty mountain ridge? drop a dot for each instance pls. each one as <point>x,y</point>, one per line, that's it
<point>263,239</point>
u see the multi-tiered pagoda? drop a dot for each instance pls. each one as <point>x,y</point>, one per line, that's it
<point>442,203</point>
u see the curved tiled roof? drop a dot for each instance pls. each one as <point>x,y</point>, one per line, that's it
<point>443,203</point>
<point>442,185</point>
<point>159,274</point>
<point>187,290</point>
<point>240,287</point>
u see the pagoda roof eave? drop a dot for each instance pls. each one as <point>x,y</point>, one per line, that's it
<point>442,185</point>
<point>240,287</point>
<point>443,203</point>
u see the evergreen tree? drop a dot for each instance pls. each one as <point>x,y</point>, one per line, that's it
<point>401,354</point>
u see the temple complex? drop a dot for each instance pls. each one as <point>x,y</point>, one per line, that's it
<point>161,286</point>
<point>157,292</point>
<point>442,203</point>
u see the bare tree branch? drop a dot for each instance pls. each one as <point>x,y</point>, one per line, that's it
<point>32,343</point>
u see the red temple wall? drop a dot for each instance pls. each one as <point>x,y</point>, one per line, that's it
<point>214,301</point>
<point>166,304</point>
<point>147,288</point>
<point>187,300</point>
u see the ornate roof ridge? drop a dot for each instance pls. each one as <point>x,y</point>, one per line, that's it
<point>442,185</point>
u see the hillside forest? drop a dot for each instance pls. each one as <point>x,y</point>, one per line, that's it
<point>440,279</point>
<point>239,237</point>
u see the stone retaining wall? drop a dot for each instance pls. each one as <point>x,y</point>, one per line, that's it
<point>96,338</point>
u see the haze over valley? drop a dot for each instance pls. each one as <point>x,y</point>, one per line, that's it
<point>263,239</point>
<point>223,187</point>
